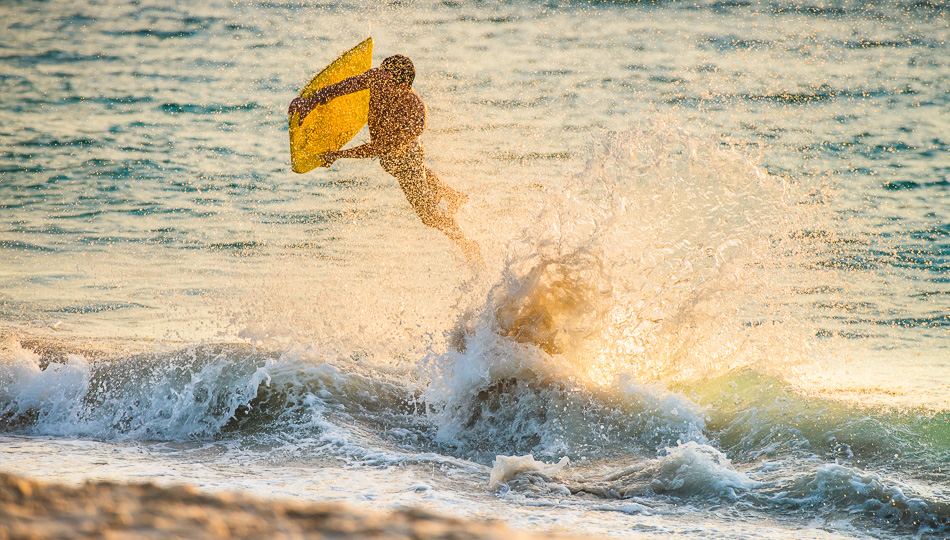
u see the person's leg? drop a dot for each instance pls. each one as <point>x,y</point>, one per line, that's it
<point>424,197</point>
<point>453,197</point>
<point>424,203</point>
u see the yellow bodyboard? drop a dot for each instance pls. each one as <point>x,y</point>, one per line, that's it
<point>329,127</point>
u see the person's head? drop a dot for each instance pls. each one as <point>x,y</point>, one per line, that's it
<point>400,67</point>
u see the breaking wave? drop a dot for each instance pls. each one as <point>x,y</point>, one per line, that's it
<point>640,345</point>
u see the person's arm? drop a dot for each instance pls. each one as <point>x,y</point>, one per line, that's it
<point>367,150</point>
<point>385,141</point>
<point>333,91</point>
<point>381,145</point>
<point>371,149</point>
<point>347,86</point>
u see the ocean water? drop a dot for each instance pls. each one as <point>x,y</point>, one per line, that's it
<point>716,300</point>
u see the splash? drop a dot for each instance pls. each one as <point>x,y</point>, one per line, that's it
<point>658,264</point>
<point>662,257</point>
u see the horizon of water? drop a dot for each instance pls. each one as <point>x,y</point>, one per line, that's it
<point>715,300</point>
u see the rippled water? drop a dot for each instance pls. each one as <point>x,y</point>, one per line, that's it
<point>717,250</point>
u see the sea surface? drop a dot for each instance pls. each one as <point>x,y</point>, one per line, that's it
<point>716,299</point>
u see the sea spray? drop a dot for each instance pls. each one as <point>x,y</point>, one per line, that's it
<point>662,256</point>
<point>662,265</point>
<point>657,263</point>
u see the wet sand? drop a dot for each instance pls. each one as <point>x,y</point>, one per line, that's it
<point>36,510</point>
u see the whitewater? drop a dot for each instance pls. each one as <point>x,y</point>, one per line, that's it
<point>715,299</point>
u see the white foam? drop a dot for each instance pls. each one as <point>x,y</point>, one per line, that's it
<point>138,398</point>
<point>52,392</point>
<point>887,498</point>
<point>627,507</point>
<point>694,469</point>
<point>666,412</point>
<point>507,467</point>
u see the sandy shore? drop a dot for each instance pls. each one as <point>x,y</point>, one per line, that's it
<point>35,510</point>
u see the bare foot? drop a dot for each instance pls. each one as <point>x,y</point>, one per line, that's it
<point>455,203</point>
<point>472,251</point>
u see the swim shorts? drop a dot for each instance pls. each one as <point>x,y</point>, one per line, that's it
<point>408,166</point>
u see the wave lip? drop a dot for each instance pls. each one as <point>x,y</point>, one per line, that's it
<point>189,397</point>
<point>214,392</point>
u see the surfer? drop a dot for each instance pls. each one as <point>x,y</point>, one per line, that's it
<point>397,117</point>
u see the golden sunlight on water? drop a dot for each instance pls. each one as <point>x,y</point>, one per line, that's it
<point>715,293</point>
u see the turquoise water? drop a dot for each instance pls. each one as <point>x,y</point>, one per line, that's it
<point>717,257</point>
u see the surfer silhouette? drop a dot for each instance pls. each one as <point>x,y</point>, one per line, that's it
<point>397,117</point>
